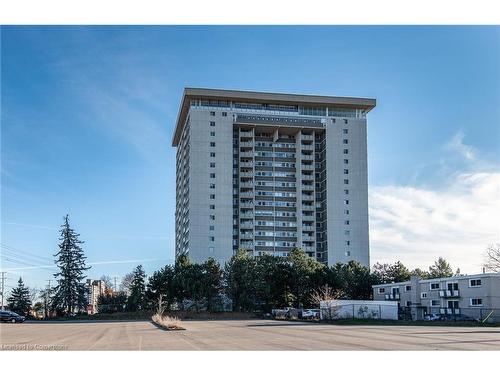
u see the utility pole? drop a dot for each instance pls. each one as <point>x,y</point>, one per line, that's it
<point>47,296</point>
<point>3,287</point>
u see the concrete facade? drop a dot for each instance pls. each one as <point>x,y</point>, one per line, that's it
<point>270,172</point>
<point>476,296</point>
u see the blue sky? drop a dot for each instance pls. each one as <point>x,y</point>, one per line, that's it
<point>88,114</point>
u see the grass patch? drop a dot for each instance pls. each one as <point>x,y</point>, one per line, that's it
<point>167,322</point>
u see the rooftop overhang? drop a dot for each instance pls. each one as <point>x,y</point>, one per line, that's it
<point>267,97</point>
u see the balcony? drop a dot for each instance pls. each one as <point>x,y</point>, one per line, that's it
<point>306,137</point>
<point>246,154</point>
<point>246,215</point>
<point>246,144</point>
<point>305,237</point>
<point>449,311</point>
<point>307,167</point>
<point>307,177</point>
<point>246,164</point>
<point>246,224</point>
<point>307,187</point>
<point>307,147</point>
<point>246,184</point>
<point>446,293</point>
<point>306,157</point>
<point>307,228</point>
<point>278,120</point>
<point>246,204</point>
<point>307,197</point>
<point>392,297</point>
<point>248,236</point>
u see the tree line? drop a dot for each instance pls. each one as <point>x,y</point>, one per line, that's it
<point>244,283</point>
<point>257,283</point>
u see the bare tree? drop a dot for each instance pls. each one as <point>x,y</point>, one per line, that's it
<point>126,283</point>
<point>493,258</point>
<point>329,297</point>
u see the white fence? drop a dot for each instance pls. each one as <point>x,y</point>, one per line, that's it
<point>348,309</point>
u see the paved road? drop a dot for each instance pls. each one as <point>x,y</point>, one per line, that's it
<point>242,335</point>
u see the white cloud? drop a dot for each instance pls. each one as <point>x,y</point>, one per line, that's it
<point>456,144</point>
<point>417,225</point>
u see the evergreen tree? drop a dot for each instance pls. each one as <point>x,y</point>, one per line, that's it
<point>420,273</point>
<point>70,293</point>
<point>241,281</point>
<point>20,299</point>
<point>212,281</point>
<point>161,283</point>
<point>441,268</point>
<point>136,299</point>
<point>391,273</point>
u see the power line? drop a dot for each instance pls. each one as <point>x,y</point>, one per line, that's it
<point>14,254</point>
<point>24,252</point>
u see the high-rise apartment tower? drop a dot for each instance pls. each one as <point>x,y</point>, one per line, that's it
<point>269,172</point>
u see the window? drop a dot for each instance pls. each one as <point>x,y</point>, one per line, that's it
<point>347,253</point>
<point>408,303</point>
<point>212,175</point>
<point>345,121</point>
<point>346,201</point>
<point>346,171</point>
<point>346,151</point>
<point>212,206</point>
<point>212,134</point>
<point>348,243</point>
<point>345,131</point>
<point>211,249</point>
<point>212,227</point>
<point>346,182</point>
<point>212,154</point>
<point>212,113</point>
<point>212,123</point>
<point>423,295</point>
<point>345,141</point>
<point>346,222</point>
<point>476,302</point>
<point>212,196</point>
<point>212,239</point>
<point>474,283</point>
<point>212,217</point>
<point>212,144</point>
<point>212,165</point>
<point>434,302</point>
<point>408,288</point>
<point>434,286</point>
<point>347,232</point>
<point>346,161</point>
<point>346,212</point>
<point>212,186</point>
<point>224,114</point>
<point>346,191</point>
<point>381,290</point>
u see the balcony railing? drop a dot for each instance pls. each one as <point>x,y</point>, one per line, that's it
<point>449,311</point>
<point>392,297</point>
<point>446,293</point>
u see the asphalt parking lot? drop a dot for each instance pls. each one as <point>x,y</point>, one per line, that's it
<point>241,335</point>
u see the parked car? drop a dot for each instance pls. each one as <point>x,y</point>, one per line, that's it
<point>12,317</point>
<point>432,317</point>
<point>310,314</point>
